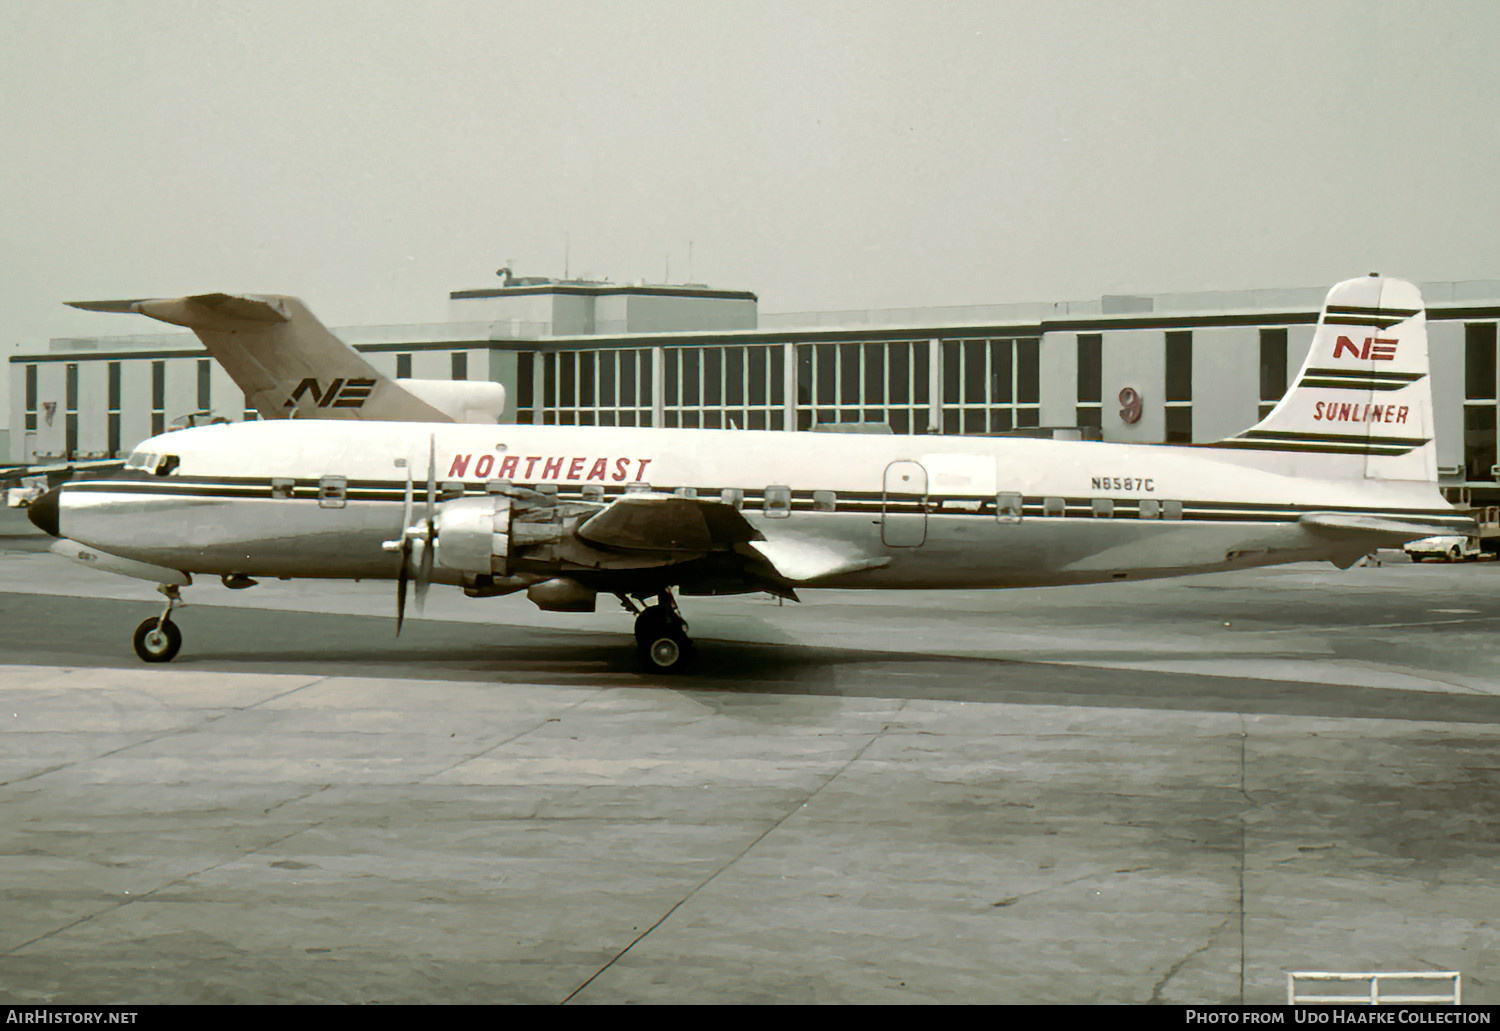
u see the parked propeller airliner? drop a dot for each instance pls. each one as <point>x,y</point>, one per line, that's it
<point>1343,464</point>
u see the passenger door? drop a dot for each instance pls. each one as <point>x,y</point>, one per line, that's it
<point>903,505</point>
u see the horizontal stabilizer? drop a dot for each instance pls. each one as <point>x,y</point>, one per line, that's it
<point>1346,522</point>
<point>209,310</point>
<point>800,561</point>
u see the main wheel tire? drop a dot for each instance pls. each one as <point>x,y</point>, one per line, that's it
<point>669,651</point>
<point>652,623</point>
<point>157,644</point>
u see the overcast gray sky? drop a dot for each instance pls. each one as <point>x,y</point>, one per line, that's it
<point>371,156</point>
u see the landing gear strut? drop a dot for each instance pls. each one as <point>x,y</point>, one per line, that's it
<point>661,640</point>
<point>158,639</point>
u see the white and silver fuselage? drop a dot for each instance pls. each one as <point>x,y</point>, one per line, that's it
<point>318,499</point>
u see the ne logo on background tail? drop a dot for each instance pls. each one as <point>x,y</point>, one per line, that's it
<point>341,393</point>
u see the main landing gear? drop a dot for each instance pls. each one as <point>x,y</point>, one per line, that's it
<point>158,639</point>
<point>661,640</point>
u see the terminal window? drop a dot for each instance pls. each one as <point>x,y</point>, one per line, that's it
<point>158,397</point>
<point>1272,368</point>
<point>991,386</point>
<point>863,381</point>
<point>31,397</point>
<point>1090,410</point>
<point>1479,401</point>
<point>113,419</point>
<point>606,387</point>
<point>1179,388</point>
<point>718,388</point>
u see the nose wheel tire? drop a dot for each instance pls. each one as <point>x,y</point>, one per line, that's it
<point>157,640</point>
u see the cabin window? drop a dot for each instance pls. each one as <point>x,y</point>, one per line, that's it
<point>496,486</point>
<point>733,497</point>
<point>638,488</point>
<point>331,491</point>
<point>778,502</point>
<point>1104,508</point>
<point>686,492</point>
<point>824,501</point>
<point>1054,506</point>
<point>1150,508</point>
<point>281,487</point>
<point>1008,507</point>
<point>593,492</point>
<point>167,464</point>
<point>137,460</point>
<point>450,489</point>
<point>1171,510</point>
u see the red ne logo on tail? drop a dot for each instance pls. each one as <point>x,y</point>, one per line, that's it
<point>1380,349</point>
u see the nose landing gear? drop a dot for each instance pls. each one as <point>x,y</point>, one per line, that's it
<point>158,639</point>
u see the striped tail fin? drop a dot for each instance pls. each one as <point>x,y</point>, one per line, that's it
<point>1363,400</point>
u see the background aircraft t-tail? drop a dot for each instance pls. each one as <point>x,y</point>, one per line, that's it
<point>290,365</point>
<point>1342,465</point>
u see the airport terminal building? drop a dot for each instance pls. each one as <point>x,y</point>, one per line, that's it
<point>1184,368</point>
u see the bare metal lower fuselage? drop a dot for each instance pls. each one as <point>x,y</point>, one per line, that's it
<point>274,538</point>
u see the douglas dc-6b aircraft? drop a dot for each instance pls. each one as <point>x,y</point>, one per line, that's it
<point>1343,464</point>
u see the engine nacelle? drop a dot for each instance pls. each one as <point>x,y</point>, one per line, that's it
<point>473,534</point>
<point>478,401</point>
<point>482,535</point>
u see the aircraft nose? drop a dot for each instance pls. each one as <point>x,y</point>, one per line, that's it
<point>43,512</point>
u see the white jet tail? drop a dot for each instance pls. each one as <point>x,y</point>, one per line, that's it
<point>289,364</point>
<point>1363,400</point>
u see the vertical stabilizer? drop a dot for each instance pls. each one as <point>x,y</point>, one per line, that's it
<point>1364,396</point>
<point>284,359</point>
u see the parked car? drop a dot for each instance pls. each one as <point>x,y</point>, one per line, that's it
<point>1452,549</point>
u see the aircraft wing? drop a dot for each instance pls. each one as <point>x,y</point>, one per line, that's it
<point>683,530</point>
<point>666,522</point>
<point>56,472</point>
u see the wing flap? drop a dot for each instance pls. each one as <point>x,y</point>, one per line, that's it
<point>804,561</point>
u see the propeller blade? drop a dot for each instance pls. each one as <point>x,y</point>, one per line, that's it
<point>431,477</point>
<point>401,579</point>
<point>424,570</point>
<point>424,576</point>
<point>404,573</point>
<point>406,506</point>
